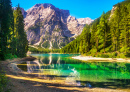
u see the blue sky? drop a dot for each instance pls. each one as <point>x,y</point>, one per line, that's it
<point>77,8</point>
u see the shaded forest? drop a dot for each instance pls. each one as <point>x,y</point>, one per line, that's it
<point>13,39</point>
<point>107,36</point>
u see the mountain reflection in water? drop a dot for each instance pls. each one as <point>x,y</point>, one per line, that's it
<point>76,72</point>
<point>53,67</point>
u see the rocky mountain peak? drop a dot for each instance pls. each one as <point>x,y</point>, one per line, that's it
<point>44,5</point>
<point>51,27</point>
<point>85,20</point>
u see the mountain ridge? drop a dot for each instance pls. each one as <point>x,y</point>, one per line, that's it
<point>45,22</point>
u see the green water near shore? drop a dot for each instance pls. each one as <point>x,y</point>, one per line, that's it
<point>91,74</point>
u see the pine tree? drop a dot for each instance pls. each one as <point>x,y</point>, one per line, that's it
<point>5,28</point>
<point>94,36</point>
<point>20,35</point>
<point>124,26</point>
<point>115,30</point>
<point>102,33</point>
<point>85,40</point>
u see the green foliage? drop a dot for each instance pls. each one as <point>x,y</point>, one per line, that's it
<point>62,44</point>
<point>94,50</point>
<point>21,42</point>
<point>102,31</point>
<point>39,50</point>
<point>55,45</point>
<point>3,82</point>
<point>106,55</point>
<point>46,44</point>
<point>85,36</point>
<point>6,27</point>
<point>55,50</point>
<point>42,50</point>
<point>10,56</point>
<point>13,39</point>
<point>72,47</point>
<point>108,34</point>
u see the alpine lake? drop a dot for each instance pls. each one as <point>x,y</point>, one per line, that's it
<point>79,73</point>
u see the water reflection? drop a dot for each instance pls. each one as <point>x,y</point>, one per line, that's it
<point>53,67</point>
<point>75,72</point>
<point>73,76</point>
<point>50,59</point>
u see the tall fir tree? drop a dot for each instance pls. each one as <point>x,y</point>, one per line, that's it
<point>5,28</point>
<point>115,30</point>
<point>85,40</point>
<point>20,35</point>
<point>124,26</point>
<point>102,33</point>
<point>94,36</point>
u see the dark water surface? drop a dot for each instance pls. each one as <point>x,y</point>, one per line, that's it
<point>90,74</point>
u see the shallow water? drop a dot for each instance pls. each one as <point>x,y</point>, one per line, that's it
<point>90,74</point>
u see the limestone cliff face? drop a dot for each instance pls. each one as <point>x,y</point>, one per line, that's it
<point>51,27</point>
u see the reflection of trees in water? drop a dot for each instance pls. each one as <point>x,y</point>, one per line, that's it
<point>58,61</point>
<point>33,66</point>
<point>49,60</point>
<point>42,63</point>
<point>93,73</point>
<point>45,60</point>
<point>108,66</point>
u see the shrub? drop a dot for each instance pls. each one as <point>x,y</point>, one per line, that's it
<point>10,56</point>
<point>3,82</point>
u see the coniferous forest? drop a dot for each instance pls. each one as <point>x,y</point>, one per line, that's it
<point>13,39</point>
<point>107,36</point>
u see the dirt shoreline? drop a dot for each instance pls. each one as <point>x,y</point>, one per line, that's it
<point>24,82</point>
<point>90,58</point>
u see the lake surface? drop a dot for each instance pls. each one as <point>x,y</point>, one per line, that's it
<point>78,73</point>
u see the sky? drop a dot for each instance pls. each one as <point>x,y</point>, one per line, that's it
<point>78,8</point>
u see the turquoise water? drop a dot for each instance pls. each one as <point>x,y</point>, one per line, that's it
<point>91,74</point>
